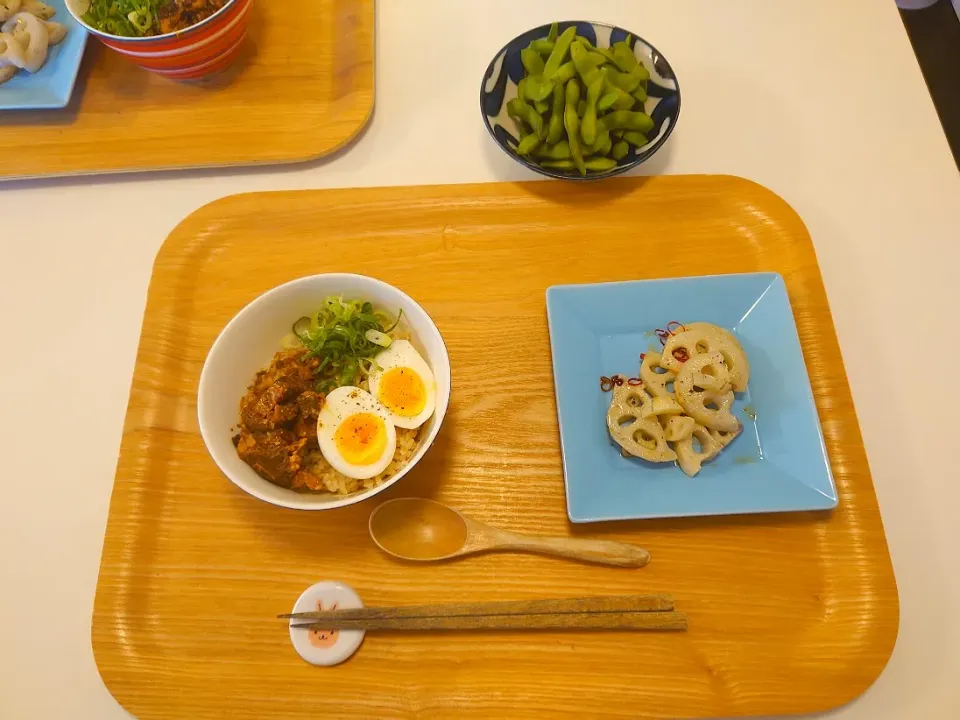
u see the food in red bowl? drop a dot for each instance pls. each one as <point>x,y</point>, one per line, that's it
<point>181,39</point>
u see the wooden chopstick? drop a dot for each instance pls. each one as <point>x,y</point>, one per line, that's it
<point>544,621</point>
<point>600,604</point>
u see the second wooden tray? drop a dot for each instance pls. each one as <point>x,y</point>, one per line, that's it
<point>302,88</point>
<point>788,613</point>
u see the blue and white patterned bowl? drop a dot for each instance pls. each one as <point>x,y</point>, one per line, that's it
<point>505,71</point>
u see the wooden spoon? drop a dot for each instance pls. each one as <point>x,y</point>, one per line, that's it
<point>425,530</point>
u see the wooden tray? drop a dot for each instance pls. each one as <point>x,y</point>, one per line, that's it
<point>294,95</point>
<point>788,613</point>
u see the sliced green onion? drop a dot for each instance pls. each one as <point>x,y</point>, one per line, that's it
<point>140,21</point>
<point>346,335</point>
<point>395,322</point>
<point>378,338</point>
<point>126,18</point>
<point>301,328</point>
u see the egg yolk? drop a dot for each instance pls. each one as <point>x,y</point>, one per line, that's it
<point>361,438</point>
<point>403,392</point>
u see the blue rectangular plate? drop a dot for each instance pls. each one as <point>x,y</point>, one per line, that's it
<point>52,85</point>
<point>777,464</point>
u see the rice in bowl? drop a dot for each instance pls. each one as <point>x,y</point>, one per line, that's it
<point>338,483</point>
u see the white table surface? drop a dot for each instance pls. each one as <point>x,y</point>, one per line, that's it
<point>821,101</point>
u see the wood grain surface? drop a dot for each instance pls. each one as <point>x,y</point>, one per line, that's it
<point>788,613</point>
<point>302,88</point>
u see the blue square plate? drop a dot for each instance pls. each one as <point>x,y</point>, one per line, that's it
<point>52,85</point>
<point>778,463</point>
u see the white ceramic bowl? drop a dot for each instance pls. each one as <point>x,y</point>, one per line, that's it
<point>247,345</point>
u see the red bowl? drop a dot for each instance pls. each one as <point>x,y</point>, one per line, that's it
<point>203,49</point>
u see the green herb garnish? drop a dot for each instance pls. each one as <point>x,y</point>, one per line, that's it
<point>126,18</point>
<point>346,335</point>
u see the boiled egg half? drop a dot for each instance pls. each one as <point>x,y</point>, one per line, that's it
<point>355,433</point>
<point>403,384</point>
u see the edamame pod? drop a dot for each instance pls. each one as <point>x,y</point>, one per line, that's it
<point>527,144</point>
<point>537,88</point>
<point>559,164</point>
<point>517,108</point>
<point>559,54</point>
<point>588,127</point>
<point>624,101</point>
<point>519,119</point>
<point>624,81</point>
<point>555,126</point>
<point>596,58</point>
<point>606,144</point>
<point>532,62</point>
<point>620,150</point>
<point>544,47</point>
<point>637,139</point>
<point>558,151</point>
<point>566,72</point>
<point>572,124</point>
<point>590,46</point>
<point>606,102</point>
<point>624,58</point>
<point>602,140</point>
<point>572,92</point>
<point>599,164</point>
<point>581,60</point>
<point>626,120</point>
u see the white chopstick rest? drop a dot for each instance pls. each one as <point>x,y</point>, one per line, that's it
<point>326,647</point>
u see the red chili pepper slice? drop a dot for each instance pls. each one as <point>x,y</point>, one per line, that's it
<point>606,384</point>
<point>634,381</point>
<point>680,354</point>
